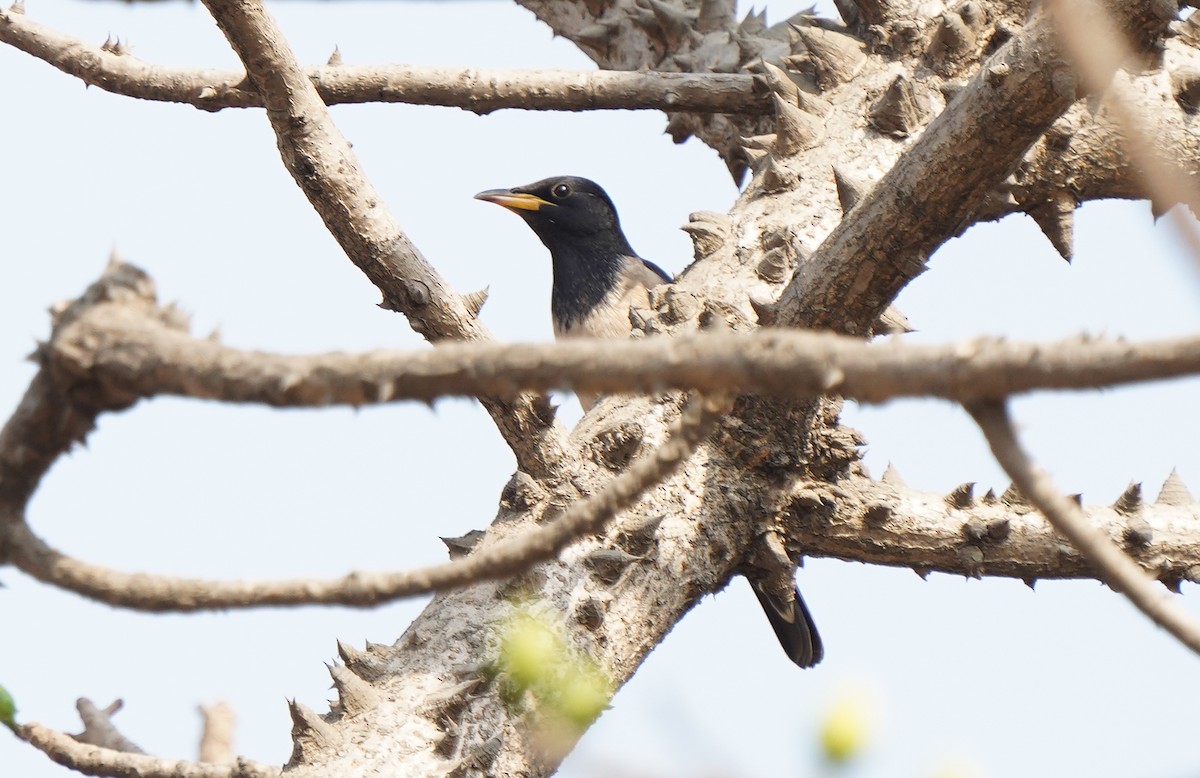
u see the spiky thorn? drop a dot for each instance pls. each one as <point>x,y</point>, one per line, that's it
<point>18,7</point>
<point>596,35</point>
<point>989,497</point>
<point>1031,583</point>
<point>753,24</point>
<point>609,564</point>
<point>891,476</point>
<point>780,83</point>
<point>795,129</point>
<point>898,112</point>
<point>776,265</point>
<point>764,309</point>
<point>366,665</point>
<point>962,496</point>
<point>311,734</point>
<point>775,177</point>
<point>1174,492</point>
<point>834,56</point>
<point>850,189</point>
<point>1186,85</point>
<point>1137,533</point>
<point>679,127</point>
<point>354,694</point>
<point>475,300</point>
<point>952,42</point>
<point>715,15</point>
<point>709,232</point>
<point>1130,500</point>
<point>335,59</point>
<point>464,544</point>
<point>737,166</point>
<point>1056,218</point>
<point>1012,496</point>
<point>922,572</point>
<point>676,24</point>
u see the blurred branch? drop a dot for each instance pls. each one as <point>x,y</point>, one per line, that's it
<point>98,727</point>
<point>327,171</point>
<point>479,90</point>
<point>504,557</point>
<point>1112,566</point>
<point>216,739</point>
<point>94,760</point>
<point>137,350</point>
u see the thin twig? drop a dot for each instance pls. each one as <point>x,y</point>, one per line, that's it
<point>1112,565</point>
<point>502,558</point>
<point>479,90</point>
<point>93,760</point>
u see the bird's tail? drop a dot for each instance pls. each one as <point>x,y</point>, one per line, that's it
<point>793,625</point>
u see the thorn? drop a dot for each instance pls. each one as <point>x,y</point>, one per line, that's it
<point>850,189</point>
<point>1172,583</point>
<point>609,563</point>
<point>999,530</point>
<point>335,58</point>
<point>753,24</point>
<point>1076,498</point>
<point>18,7</point>
<point>464,544</point>
<point>776,266</point>
<point>1031,583</point>
<point>775,177</point>
<point>780,83</point>
<point>1174,492</point>
<point>594,35</point>
<point>674,23</point>
<point>759,142</point>
<point>1056,218</point>
<point>1130,500</point>
<point>891,476</point>
<point>835,57</point>
<point>475,300</point>
<point>765,310</point>
<point>922,572</point>
<point>679,127</point>
<point>311,734</point>
<point>354,694</point>
<point>962,496</point>
<point>951,42</point>
<point>795,129</point>
<point>1012,496</point>
<point>756,155</point>
<point>709,232</point>
<point>898,112</point>
<point>737,168</point>
<point>989,498</point>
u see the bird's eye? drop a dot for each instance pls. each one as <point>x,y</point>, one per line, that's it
<point>561,190</point>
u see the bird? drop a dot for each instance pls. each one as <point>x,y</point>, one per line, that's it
<point>597,278</point>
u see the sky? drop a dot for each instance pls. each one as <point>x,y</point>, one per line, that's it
<point>964,677</point>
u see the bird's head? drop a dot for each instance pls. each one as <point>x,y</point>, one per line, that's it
<point>562,210</point>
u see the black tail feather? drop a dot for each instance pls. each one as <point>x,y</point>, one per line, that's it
<point>794,627</point>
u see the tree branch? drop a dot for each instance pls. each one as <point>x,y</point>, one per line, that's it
<point>1113,566</point>
<point>93,760</point>
<point>479,90</point>
<point>135,351</point>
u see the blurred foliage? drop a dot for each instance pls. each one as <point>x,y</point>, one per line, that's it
<point>538,671</point>
<point>8,710</point>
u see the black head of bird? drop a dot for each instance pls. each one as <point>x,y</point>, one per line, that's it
<point>595,268</point>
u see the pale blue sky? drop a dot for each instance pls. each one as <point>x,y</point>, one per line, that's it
<point>1069,680</point>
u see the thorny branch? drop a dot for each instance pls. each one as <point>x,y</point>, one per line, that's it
<point>1113,566</point>
<point>479,90</point>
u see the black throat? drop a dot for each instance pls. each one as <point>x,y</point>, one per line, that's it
<point>585,271</point>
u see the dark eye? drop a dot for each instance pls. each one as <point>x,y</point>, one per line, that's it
<point>560,191</point>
